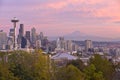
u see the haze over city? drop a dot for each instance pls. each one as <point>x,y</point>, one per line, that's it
<point>61,17</point>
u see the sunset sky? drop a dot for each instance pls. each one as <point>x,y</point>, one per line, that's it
<point>60,17</point>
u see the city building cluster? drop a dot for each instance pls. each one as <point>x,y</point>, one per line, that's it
<point>33,40</point>
<point>27,40</point>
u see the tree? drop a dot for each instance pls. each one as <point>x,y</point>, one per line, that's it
<point>41,66</point>
<point>77,63</point>
<point>98,76</point>
<point>92,74</point>
<point>70,72</point>
<point>5,74</point>
<point>21,63</point>
<point>117,73</point>
<point>27,66</point>
<point>103,65</point>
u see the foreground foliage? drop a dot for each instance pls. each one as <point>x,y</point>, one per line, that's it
<point>21,65</point>
<point>70,72</point>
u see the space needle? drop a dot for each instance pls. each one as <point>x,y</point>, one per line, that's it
<point>14,21</point>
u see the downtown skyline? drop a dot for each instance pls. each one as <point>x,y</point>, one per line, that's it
<point>61,17</point>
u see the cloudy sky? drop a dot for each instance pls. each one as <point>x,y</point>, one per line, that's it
<point>60,17</point>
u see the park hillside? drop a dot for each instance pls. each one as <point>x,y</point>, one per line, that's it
<point>21,65</point>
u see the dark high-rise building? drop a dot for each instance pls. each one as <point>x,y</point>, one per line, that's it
<point>21,34</point>
<point>88,45</point>
<point>21,30</point>
<point>45,43</point>
<point>23,42</point>
<point>41,36</point>
<point>27,35</point>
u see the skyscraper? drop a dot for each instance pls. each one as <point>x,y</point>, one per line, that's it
<point>3,39</point>
<point>10,40</point>
<point>21,34</point>
<point>69,45</point>
<point>27,35</point>
<point>9,43</point>
<point>23,42</point>
<point>88,45</point>
<point>60,43</point>
<point>75,47</point>
<point>45,42</point>
<point>38,44</point>
<point>33,36</point>
<point>11,33</point>
<point>28,43</point>
<point>41,36</point>
<point>21,30</point>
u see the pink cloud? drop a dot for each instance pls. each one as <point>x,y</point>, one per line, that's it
<point>64,3</point>
<point>112,11</point>
<point>65,16</point>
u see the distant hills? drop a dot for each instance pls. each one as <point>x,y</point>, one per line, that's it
<point>77,35</point>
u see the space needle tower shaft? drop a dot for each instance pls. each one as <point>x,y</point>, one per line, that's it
<point>14,21</point>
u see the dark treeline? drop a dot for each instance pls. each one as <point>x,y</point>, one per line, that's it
<point>21,65</point>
